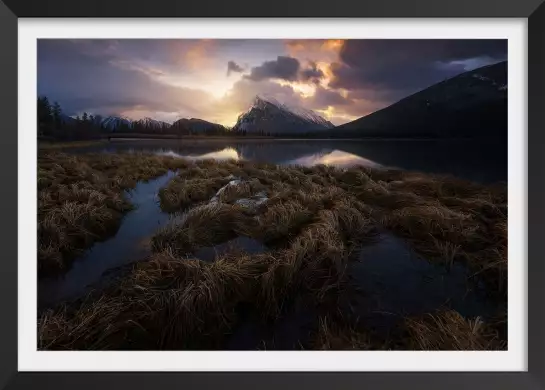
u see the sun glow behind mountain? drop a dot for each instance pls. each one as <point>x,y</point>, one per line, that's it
<point>216,80</point>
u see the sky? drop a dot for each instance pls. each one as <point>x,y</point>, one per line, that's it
<point>217,80</point>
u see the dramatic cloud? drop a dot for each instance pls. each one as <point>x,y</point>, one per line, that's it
<point>171,78</point>
<point>400,67</point>
<point>284,68</point>
<point>314,49</point>
<point>102,84</point>
<point>233,67</point>
<point>312,73</point>
<point>323,98</point>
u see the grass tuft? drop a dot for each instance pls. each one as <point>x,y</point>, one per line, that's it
<point>448,330</point>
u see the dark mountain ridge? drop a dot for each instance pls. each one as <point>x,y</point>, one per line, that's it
<point>472,104</point>
<point>195,125</point>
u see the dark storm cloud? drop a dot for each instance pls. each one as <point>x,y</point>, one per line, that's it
<point>312,73</point>
<point>284,68</point>
<point>324,98</point>
<point>232,66</point>
<point>400,67</point>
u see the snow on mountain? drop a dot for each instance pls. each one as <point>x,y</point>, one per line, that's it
<point>113,122</point>
<point>151,123</point>
<point>268,115</point>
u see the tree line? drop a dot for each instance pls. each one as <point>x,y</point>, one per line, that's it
<point>54,124</point>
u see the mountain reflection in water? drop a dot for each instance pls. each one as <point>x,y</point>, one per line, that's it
<point>483,161</point>
<point>223,154</point>
<point>336,158</point>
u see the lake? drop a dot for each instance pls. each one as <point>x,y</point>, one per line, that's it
<point>483,161</point>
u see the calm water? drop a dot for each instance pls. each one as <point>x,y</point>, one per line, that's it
<point>395,282</point>
<point>130,243</point>
<point>482,161</point>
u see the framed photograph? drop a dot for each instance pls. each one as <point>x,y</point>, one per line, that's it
<point>298,195</point>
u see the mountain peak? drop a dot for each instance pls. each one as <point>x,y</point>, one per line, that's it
<point>268,115</point>
<point>263,101</point>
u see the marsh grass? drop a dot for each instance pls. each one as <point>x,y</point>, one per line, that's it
<point>173,301</point>
<point>182,193</point>
<point>448,330</point>
<point>313,221</point>
<point>81,199</point>
<point>202,226</point>
<point>340,335</point>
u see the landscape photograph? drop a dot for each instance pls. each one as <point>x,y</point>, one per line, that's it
<point>272,194</point>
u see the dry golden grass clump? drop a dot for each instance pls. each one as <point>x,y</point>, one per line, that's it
<point>444,330</point>
<point>448,330</point>
<point>164,303</point>
<point>205,225</point>
<point>339,335</point>
<point>81,200</point>
<point>181,193</point>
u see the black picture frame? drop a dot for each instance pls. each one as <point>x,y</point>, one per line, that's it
<point>533,11</point>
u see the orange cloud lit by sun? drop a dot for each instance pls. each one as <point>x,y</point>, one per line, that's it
<point>333,44</point>
<point>321,53</point>
<point>326,70</point>
<point>313,47</point>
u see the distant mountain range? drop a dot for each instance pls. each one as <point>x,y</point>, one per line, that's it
<point>267,115</point>
<point>151,123</point>
<point>472,104</point>
<point>264,116</point>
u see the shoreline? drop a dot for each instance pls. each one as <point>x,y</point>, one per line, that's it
<point>61,144</point>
